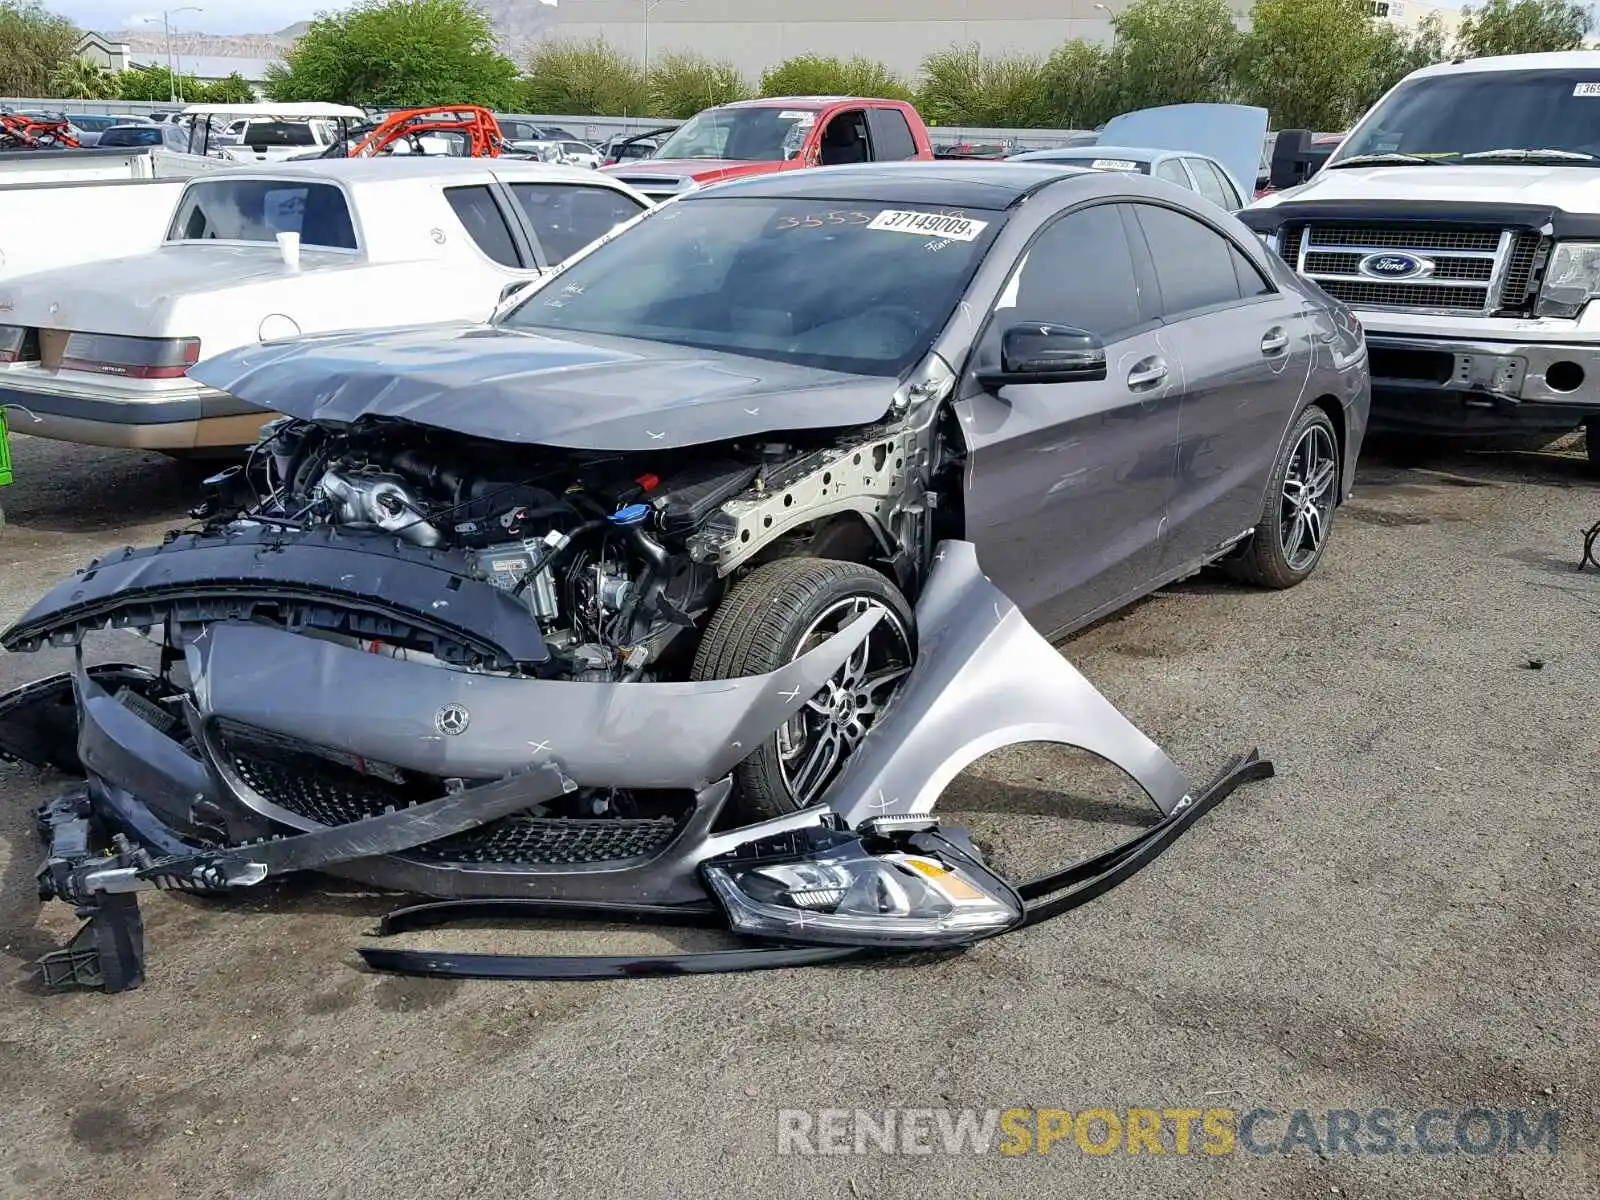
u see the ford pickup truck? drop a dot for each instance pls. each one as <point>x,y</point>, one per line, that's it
<point>754,137</point>
<point>1460,219</point>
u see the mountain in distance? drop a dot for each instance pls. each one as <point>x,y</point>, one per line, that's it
<point>517,24</point>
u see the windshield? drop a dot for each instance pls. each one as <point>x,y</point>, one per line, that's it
<point>1450,117</point>
<point>741,134</point>
<point>257,210</point>
<point>855,286</point>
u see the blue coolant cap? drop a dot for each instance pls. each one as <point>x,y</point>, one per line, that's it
<point>631,514</point>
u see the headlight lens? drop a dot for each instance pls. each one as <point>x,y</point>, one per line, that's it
<point>844,894</point>
<point>1571,280</point>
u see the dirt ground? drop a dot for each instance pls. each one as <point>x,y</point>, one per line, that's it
<point>1403,918</point>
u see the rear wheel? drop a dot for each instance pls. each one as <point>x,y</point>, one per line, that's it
<point>774,615</point>
<point>1288,543</point>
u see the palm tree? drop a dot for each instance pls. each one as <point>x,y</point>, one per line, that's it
<point>82,79</point>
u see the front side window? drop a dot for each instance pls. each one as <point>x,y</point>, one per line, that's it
<point>1078,272</point>
<point>129,135</point>
<point>742,134</point>
<point>566,217</point>
<point>1194,263</point>
<point>1484,117</point>
<point>856,286</point>
<point>257,210</point>
<point>891,135</point>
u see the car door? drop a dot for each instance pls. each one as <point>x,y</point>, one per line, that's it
<point>563,218</point>
<point>1067,484</point>
<point>892,140</point>
<point>1246,351</point>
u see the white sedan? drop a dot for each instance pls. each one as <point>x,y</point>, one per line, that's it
<point>98,353</point>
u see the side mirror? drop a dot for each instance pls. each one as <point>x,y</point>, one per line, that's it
<point>1038,353</point>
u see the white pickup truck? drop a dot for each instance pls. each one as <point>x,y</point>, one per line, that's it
<point>1460,218</point>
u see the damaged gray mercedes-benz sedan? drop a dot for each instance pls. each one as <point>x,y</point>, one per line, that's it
<point>684,587</point>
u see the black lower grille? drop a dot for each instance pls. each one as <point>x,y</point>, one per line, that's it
<point>554,840</point>
<point>1405,295</point>
<point>332,788</point>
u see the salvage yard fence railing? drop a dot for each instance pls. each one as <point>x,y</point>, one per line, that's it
<point>598,129</point>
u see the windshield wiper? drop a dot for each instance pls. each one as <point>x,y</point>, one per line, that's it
<point>1517,155</point>
<point>1388,158</point>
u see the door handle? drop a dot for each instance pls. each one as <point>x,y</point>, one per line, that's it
<point>1147,374</point>
<point>1275,341</point>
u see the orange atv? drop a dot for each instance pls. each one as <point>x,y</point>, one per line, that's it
<point>33,131</point>
<point>476,126</point>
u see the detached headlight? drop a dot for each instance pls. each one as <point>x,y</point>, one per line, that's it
<point>1571,280</point>
<point>861,892</point>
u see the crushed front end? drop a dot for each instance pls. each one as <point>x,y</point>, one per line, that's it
<point>484,689</point>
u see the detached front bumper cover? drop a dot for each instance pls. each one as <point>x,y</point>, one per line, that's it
<point>867,870</point>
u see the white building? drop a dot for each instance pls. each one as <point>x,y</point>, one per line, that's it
<point>117,56</point>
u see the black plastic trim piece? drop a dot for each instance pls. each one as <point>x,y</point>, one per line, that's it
<point>453,965</point>
<point>209,577</point>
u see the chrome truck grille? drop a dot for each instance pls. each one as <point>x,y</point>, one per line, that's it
<point>1416,267</point>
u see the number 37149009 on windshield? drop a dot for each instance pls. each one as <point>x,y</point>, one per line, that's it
<point>950,226</point>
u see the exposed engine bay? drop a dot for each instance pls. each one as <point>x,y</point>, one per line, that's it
<point>613,556</point>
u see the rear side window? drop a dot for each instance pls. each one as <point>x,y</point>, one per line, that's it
<point>567,217</point>
<point>1078,272</point>
<point>891,135</point>
<point>261,134</point>
<point>478,211</point>
<point>1194,263</point>
<point>257,210</point>
<point>150,136</point>
<point>1211,184</point>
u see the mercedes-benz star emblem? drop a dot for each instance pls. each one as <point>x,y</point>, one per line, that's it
<point>452,719</point>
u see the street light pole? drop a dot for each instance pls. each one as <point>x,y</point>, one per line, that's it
<point>174,83</point>
<point>649,6</point>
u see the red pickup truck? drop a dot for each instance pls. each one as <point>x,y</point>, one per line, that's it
<point>783,133</point>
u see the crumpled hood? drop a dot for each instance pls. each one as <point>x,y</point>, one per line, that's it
<point>131,295</point>
<point>597,394</point>
<point>1571,189</point>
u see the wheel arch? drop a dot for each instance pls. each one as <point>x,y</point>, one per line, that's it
<point>1330,405</point>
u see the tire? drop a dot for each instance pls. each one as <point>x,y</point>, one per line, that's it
<point>1264,561</point>
<point>769,618</point>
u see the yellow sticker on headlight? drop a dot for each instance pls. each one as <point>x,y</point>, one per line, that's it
<point>944,879</point>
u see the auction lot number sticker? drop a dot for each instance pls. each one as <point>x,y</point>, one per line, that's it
<point>926,224</point>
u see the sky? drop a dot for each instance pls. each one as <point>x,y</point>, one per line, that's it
<point>217,16</point>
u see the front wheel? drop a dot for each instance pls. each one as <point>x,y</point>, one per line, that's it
<point>1302,493</point>
<point>771,617</point>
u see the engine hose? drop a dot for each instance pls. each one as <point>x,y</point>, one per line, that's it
<point>549,561</point>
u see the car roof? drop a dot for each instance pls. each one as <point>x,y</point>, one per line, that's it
<point>1561,60</point>
<point>387,168</point>
<point>795,101</point>
<point>980,184</point>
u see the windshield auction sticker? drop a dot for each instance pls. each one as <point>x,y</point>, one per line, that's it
<point>1114,164</point>
<point>1587,89</point>
<point>925,224</point>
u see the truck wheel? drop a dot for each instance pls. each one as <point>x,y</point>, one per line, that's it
<point>1302,493</point>
<point>771,617</point>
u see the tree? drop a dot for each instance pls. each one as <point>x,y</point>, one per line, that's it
<point>1310,63</point>
<point>820,75</point>
<point>400,53</point>
<point>156,83</point>
<point>1080,86</point>
<point>962,87</point>
<point>579,79</point>
<point>1174,52</point>
<point>1397,52</point>
<point>681,84</point>
<point>34,45</point>
<point>1523,27</point>
<point>235,89</point>
<point>81,79</point>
